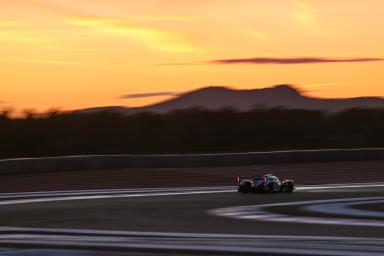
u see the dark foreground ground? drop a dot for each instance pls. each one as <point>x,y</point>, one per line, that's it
<point>302,173</point>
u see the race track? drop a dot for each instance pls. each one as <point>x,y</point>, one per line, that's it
<point>341,219</point>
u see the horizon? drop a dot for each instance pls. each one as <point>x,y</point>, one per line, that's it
<point>169,96</point>
<point>97,53</point>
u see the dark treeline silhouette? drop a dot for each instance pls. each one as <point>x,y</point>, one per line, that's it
<point>188,131</point>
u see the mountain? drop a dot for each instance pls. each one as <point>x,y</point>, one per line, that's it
<point>286,96</point>
<point>218,97</point>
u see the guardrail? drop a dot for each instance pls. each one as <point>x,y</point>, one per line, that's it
<point>105,162</point>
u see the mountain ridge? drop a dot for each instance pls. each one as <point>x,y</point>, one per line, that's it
<point>279,96</point>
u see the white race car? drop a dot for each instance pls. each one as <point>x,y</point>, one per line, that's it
<point>267,183</point>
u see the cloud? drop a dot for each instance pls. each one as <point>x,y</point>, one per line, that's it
<point>293,60</point>
<point>157,39</point>
<point>150,94</point>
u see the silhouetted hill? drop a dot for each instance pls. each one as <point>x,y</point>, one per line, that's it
<point>284,96</point>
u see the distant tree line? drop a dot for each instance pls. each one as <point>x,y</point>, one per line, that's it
<point>188,131</point>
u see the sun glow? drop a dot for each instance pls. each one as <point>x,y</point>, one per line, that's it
<point>69,55</point>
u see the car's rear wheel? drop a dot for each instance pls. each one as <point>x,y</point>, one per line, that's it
<point>246,187</point>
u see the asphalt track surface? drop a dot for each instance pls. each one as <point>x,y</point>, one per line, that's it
<point>344,219</point>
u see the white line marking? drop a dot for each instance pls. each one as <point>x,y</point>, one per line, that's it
<point>102,196</point>
<point>178,189</point>
<point>191,155</point>
<point>183,234</point>
<point>149,191</point>
<point>337,186</point>
<point>186,242</point>
<point>344,208</point>
<point>40,197</point>
<point>259,212</point>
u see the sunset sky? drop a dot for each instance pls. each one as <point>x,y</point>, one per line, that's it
<point>72,54</point>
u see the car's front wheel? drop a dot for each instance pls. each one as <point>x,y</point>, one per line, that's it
<point>290,187</point>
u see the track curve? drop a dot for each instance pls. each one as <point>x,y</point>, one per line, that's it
<point>176,220</point>
<point>332,206</point>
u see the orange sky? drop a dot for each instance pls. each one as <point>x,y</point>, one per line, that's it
<point>72,54</point>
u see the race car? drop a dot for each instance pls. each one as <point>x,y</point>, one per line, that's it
<point>267,183</point>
